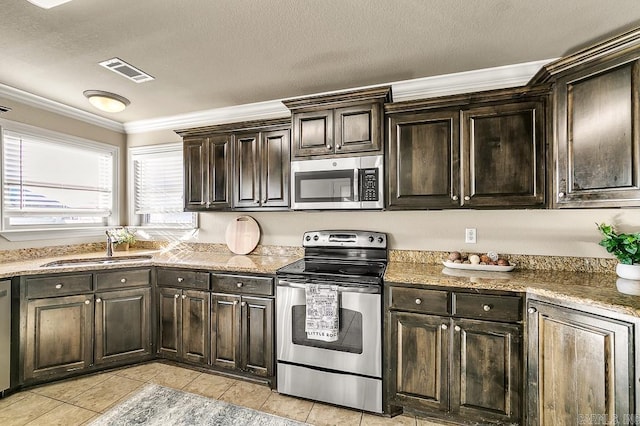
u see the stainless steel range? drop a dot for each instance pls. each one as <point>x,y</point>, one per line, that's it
<point>329,319</point>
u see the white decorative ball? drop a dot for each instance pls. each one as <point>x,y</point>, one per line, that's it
<point>474,259</point>
<point>493,256</point>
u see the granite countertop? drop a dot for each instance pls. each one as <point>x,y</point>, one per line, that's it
<point>589,289</point>
<point>174,259</point>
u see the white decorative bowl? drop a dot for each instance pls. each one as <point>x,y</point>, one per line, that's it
<point>631,287</point>
<point>629,272</point>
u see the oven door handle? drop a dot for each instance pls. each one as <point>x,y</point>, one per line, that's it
<point>368,289</point>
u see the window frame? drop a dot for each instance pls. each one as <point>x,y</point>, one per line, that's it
<point>156,231</point>
<point>41,232</point>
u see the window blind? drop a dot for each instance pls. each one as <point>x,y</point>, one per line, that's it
<point>158,183</point>
<point>48,182</point>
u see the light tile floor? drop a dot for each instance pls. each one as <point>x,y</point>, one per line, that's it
<point>79,401</point>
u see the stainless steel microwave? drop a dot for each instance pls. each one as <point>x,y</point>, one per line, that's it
<point>337,183</point>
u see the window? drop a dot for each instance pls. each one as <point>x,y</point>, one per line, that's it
<point>156,187</point>
<point>55,181</point>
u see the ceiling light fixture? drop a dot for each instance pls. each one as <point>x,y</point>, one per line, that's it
<point>48,4</point>
<point>105,101</point>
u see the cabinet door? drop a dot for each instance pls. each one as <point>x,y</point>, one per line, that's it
<point>122,321</point>
<point>580,365</point>
<point>59,334</point>
<point>358,128</point>
<point>419,357</point>
<point>598,125</point>
<point>196,176</point>
<point>169,322</point>
<point>312,133</point>
<point>503,155</point>
<point>195,326</point>
<point>225,331</point>
<point>274,166</point>
<point>257,335</point>
<point>423,160</point>
<point>219,172</point>
<point>486,370</point>
<point>247,171</point>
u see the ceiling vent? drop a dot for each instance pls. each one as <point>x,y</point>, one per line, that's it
<point>4,109</point>
<point>119,66</point>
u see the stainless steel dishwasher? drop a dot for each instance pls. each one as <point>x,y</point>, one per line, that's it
<point>5,335</point>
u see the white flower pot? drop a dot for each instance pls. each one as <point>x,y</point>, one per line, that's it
<point>629,272</point>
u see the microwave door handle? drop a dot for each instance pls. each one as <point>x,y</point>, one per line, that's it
<point>356,184</point>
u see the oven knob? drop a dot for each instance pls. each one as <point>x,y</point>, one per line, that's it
<point>380,240</point>
<point>371,239</point>
<point>315,238</point>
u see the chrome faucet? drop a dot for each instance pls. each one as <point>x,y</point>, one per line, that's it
<point>109,244</point>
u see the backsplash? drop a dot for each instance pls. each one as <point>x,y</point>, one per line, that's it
<point>554,263</point>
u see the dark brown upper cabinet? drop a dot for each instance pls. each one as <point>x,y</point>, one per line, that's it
<point>237,166</point>
<point>484,150</point>
<point>337,124</point>
<point>261,175</point>
<point>207,178</point>
<point>597,120</point>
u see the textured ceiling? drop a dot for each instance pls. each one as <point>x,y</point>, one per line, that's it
<point>208,54</point>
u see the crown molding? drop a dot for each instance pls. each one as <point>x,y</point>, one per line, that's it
<point>469,81</point>
<point>419,88</point>
<point>30,99</point>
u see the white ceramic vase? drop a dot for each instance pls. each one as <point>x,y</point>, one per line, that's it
<point>629,272</point>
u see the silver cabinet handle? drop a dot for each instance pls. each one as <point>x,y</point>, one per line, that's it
<point>239,285</point>
<point>235,302</point>
<point>532,310</point>
<point>338,147</point>
<point>467,198</point>
<point>457,328</point>
<point>180,279</point>
<point>59,286</point>
<point>329,147</point>
<point>123,280</point>
<point>176,296</point>
<point>454,198</point>
<point>418,301</point>
<point>444,326</point>
<point>86,302</point>
<point>486,308</point>
<point>98,300</point>
<point>243,304</point>
<point>184,296</point>
<point>561,194</point>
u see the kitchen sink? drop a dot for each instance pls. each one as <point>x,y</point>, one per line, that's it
<point>106,260</point>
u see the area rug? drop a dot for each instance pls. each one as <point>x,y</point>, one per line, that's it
<point>157,405</point>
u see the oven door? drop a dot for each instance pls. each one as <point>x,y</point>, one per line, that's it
<point>358,349</point>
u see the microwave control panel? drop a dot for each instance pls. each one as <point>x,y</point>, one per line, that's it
<point>369,185</point>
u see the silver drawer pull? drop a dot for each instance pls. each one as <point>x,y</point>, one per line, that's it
<point>176,296</point>
<point>454,198</point>
<point>561,194</point>
<point>467,198</point>
<point>86,302</point>
<point>180,279</point>
<point>243,304</point>
<point>184,296</point>
<point>329,147</point>
<point>486,308</point>
<point>239,285</point>
<point>59,286</point>
<point>457,328</point>
<point>418,301</point>
<point>532,310</point>
<point>444,326</point>
<point>123,280</point>
<point>98,300</point>
<point>235,302</point>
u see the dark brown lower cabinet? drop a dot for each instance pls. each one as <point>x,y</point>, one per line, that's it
<point>59,333</point>
<point>242,333</point>
<point>456,368</point>
<point>122,327</point>
<point>581,367</point>
<point>183,324</point>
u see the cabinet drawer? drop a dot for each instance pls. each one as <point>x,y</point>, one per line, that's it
<point>183,278</point>
<point>419,300</point>
<point>504,308</point>
<point>60,285</point>
<point>120,279</point>
<point>241,284</point>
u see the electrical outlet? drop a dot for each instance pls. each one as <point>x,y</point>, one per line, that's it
<point>470,235</point>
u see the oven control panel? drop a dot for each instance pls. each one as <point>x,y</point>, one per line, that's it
<point>342,238</point>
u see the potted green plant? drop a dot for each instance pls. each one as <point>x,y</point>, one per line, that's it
<point>122,238</point>
<point>625,247</point>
